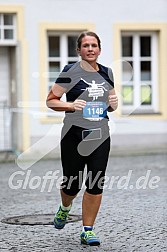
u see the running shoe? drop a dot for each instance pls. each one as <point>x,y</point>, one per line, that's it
<point>60,218</point>
<point>89,238</point>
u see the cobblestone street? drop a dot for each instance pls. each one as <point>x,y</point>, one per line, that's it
<point>132,216</point>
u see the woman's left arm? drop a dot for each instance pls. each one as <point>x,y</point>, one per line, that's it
<point>112,100</point>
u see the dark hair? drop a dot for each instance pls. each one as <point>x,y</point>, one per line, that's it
<point>87,33</point>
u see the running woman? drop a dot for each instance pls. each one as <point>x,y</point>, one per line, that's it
<point>85,139</point>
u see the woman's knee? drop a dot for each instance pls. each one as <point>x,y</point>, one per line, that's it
<point>71,187</point>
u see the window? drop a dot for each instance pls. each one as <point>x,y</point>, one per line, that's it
<point>7,28</point>
<point>139,72</point>
<point>61,51</point>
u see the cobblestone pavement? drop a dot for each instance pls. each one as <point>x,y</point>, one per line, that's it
<point>132,216</point>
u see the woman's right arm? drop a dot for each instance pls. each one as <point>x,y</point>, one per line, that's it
<point>54,102</point>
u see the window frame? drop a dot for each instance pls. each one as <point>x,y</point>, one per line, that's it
<point>137,59</point>
<point>63,58</point>
<point>3,27</point>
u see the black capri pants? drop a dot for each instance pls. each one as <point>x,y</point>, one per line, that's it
<point>95,155</point>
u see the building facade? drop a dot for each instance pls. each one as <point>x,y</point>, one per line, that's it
<point>37,38</point>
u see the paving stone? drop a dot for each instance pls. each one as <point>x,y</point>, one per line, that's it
<point>129,220</point>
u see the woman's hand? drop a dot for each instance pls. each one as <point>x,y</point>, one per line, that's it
<point>79,104</point>
<point>113,101</point>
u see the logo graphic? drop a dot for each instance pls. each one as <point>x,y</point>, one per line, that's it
<point>95,90</point>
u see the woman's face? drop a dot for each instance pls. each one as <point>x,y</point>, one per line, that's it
<point>89,50</point>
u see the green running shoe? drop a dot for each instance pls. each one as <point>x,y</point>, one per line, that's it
<point>60,218</point>
<point>89,238</point>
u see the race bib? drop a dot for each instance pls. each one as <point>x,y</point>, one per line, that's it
<point>95,110</point>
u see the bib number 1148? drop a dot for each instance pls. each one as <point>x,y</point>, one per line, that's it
<point>95,110</point>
